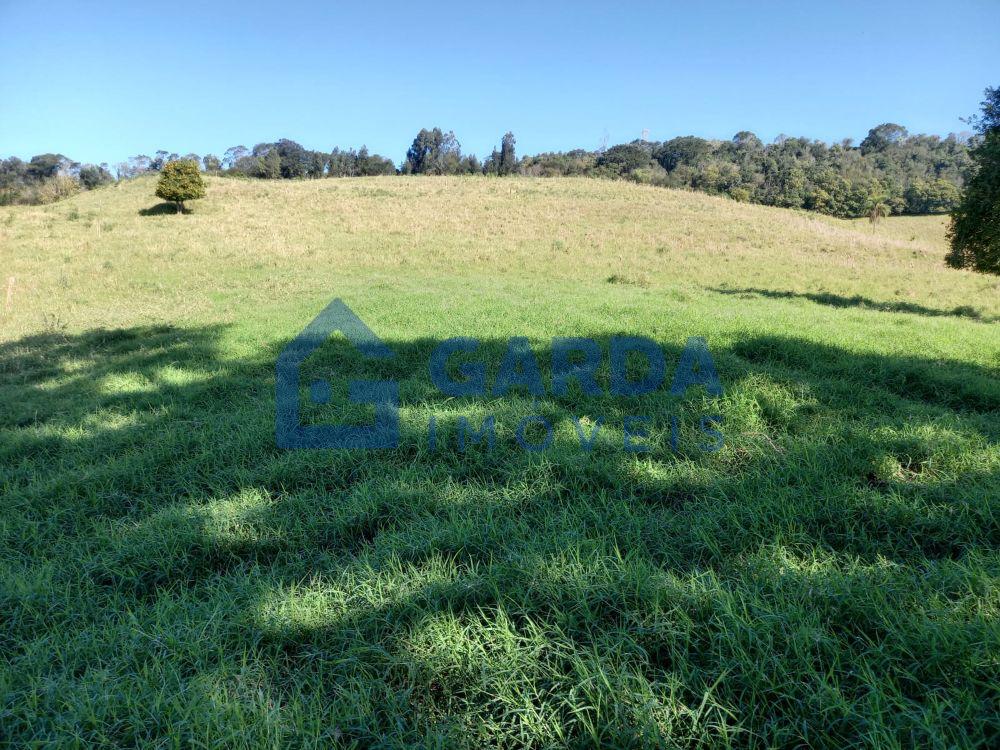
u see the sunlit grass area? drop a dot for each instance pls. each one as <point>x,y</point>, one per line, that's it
<point>168,576</point>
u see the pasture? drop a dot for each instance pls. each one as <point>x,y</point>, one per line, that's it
<point>170,577</point>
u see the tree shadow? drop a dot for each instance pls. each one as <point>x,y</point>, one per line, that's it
<point>163,209</point>
<point>846,511</point>
<point>836,300</point>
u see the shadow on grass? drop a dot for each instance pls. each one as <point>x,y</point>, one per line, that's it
<point>843,537</point>
<point>836,300</point>
<point>163,209</point>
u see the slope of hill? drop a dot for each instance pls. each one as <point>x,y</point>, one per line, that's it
<point>169,574</point>
<point>250,236</point>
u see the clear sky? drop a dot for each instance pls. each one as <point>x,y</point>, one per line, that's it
<point>100,81</point>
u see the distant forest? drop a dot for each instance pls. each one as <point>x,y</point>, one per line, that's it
<point>890,171</point>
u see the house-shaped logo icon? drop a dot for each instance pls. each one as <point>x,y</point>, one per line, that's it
<point>383,394</point>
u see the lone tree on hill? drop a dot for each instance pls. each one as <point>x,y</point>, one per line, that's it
<point>975,224</point>
<point>180,181</point>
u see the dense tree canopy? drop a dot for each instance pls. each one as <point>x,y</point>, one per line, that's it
<point>434,152</point>
<point>882,137</point>
<point>43,166</point>
<point>91,176</point>
<point>910,174</point>
<point>623,159</point>
<point>975,224</point>
<point>47,177</point>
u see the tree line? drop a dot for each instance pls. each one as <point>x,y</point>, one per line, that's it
<point>908,174</point>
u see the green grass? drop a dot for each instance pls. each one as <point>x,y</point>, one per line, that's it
<point>168,577</point>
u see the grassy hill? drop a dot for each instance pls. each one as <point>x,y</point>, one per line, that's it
<point>167,574</point>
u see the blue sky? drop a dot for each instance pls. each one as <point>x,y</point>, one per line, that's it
<point>100,81</point>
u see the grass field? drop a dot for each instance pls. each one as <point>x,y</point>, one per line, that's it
<point>169,577</point>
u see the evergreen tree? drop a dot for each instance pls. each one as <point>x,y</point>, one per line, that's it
<point>492,165</point>
<point>508,158</point>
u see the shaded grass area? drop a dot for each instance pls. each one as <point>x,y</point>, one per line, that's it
<point>163,209</point>
<point>829,578</point>
<point>839,300</point>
